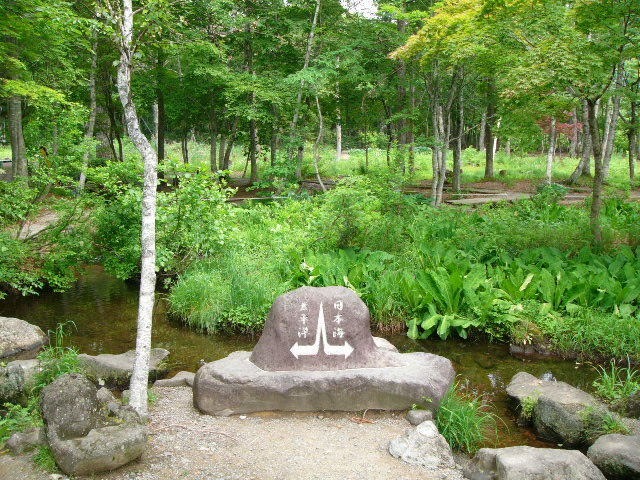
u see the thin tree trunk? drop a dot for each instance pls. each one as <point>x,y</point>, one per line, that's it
<point>307,58</point>
<point>140,375</point>
<point>598,178</point>
<point>481,133</point>
<point>229,144</point>
<point>213,146</point>
<point>583,168</point>
<point>410,132</point>
<point>338,139</point>
<point>253,150</point>
<point>92,116</point>
<point>184,146</point>
<point>552,150</point>
<point>573,146</point>
<point>495,140</point>
<point>445,134</point>
<point>457,151</point>
<point>316,146</point>
<point>222,150</point>
<point>488,133</point>
<point>154,111</point>
<point>18,149</point>
<point>609,139</point>
<point>632,135</point>
<point>162,116</point>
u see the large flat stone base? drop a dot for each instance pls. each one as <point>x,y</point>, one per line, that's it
<point>235,385</point>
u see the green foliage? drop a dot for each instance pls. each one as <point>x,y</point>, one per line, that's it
<point>464,421</point>
<point>598,421</point>
<point>617,383</point>
<point>527,406</point>
<point>55,360</point>
<point>49,256</point>
<point>17,418</point>
<point>191,221</point>
<point>45,460</point>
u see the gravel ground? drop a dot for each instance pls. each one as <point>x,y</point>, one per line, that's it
<point>185,444</point>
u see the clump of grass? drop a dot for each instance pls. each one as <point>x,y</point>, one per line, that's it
<point>463,421</point>
<point>45,460</point>
<point>616,383</point>
<point>528,405</point>
<point>598,422</point>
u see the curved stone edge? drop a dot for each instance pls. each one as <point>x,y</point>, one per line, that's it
<point>617,456</point>
<point>234,385</point>
<point>524,463</point>
<point>19,339</point>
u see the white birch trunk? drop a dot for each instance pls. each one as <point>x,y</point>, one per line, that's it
<point>316,146</point>
<point>338,140</point>
<point>140,377</point>
<point>552,150</point>
<point>495,139</point>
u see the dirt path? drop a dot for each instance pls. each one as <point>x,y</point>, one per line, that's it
<point>185,444</point>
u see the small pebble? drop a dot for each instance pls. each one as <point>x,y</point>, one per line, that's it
<point>242,417</point>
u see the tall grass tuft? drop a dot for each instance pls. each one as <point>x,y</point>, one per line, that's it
<point>464,422</point>
<point>617,383</point>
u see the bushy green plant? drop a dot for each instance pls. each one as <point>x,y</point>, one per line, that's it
<point>464,421</point>
<point>615,383</point>
<point>17,418</point>
<point>192,222</point>
<point>527,406</point>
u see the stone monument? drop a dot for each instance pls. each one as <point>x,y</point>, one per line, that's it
<point>317,353</point>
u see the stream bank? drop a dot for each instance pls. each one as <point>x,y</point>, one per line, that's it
<point>103,310</point>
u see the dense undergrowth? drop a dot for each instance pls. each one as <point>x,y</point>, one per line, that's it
<point>521,272</point>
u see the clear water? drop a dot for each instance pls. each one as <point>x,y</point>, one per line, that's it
<point>103,310</point>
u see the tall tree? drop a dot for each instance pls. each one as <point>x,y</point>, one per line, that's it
<point>140,376</point>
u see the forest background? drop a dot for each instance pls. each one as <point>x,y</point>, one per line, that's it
<point>279,92</point>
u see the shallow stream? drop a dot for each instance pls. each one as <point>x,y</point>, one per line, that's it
<point>104,309</point>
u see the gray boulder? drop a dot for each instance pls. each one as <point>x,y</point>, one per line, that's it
<point>115,370</point>
<point>236,385</point>
<point>423,446</point>
<point>16,379</point>
<point>180,379</point>
<point>529,463</point>
<point>617,456</point>
<point>319,328</point>
<point>416,417</point>
<point>19,340</point>
<point>560,413</point>
<point>23,441</point>
<point>86,436</point>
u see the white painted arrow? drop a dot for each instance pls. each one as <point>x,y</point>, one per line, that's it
<point>321,331</point>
